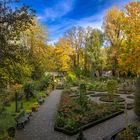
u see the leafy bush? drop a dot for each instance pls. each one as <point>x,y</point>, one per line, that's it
<point>97,86</point>
<point>29,89</point>
<point>82,99</point>
<point>71,124</point>
<point>35,107</point>
<point>29,112</point>
<point>70,78</point>
<point>131,133</point>
<point>41,94</point>
<point>46,81</point>
<point>137,98</point>
<point>111,87</point>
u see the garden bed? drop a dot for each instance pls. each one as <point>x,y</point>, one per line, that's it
<point>108,99</point>
<point>72,117</point>
<point>86,126</point>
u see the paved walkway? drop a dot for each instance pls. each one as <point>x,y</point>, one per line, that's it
<point>41,126</point>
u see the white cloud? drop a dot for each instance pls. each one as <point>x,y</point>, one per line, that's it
<point>57,31</point>
<point>57,11</point>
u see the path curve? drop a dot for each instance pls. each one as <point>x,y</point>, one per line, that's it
<point>41,126</point>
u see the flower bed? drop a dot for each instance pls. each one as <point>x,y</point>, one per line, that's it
<point>71,116</point>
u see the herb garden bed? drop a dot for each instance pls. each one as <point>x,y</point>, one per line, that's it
<point>72,117</point>
<point>86,126</point>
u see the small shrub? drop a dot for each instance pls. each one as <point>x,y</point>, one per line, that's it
<point>28,89</point>
<point>71,124</point>
<point>35,107</point>
<point>11,132</point>
<point>82,99</point>
<point>71,79</point>
<point>111,87</point>
<point>29,112</point>
<point>45,82</point>
<point>60,121</point>
<point>41,94</point>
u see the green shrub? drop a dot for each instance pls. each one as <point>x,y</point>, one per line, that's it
<point>111,87</point>
<point>46,81</point>
<point>60,121</point>
<point>41,94</point>
<point>29,89</point>
<point>82,99</point>
<point>82,87</point>
<point>35,107</point>
<point>132,133</point>
<point>71,124</point>
<point>70,78</point>
<point>137,98</point>
<point>28,112</point>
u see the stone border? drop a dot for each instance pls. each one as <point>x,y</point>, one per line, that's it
<point>86,126</point>
<point>120,99</point>
<point>131,97</point>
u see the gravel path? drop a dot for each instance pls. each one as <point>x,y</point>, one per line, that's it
<point>96,99</point>
<point>41,126</point>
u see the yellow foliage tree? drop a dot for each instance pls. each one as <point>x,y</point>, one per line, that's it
<point>129,58</point>
<point>63,53</point>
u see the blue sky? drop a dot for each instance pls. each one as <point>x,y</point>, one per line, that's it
<point>60,15</point>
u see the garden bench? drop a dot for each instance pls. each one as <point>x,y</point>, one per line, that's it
<point>21,119</point>
<point>113,135</point>
<point>41,101</point>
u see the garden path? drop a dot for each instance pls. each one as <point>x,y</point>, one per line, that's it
<point>41,126</point>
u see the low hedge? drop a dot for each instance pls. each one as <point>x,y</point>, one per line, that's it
<point>87,126</point>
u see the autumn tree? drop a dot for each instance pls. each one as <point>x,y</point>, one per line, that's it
<point>63,53</point>
<point>93,44</point>
<point>76,38</point>
<point>112,29</point>
<point>129,57</point>
<point>35,39</point>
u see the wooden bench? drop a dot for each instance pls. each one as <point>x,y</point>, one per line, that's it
<point>21,119</point>
<point>113,135</point>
